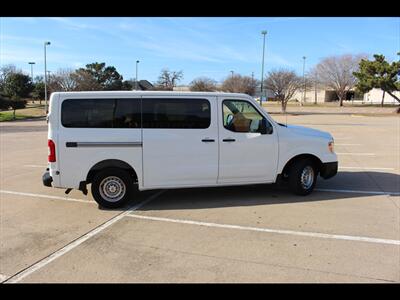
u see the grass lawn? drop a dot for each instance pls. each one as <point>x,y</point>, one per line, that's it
<point>31,111</point>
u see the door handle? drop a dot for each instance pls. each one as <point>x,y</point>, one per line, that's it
<point>71,144</point>
<point>208,140</point>
<point>228,140</point>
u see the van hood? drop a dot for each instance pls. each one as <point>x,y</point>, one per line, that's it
<point>301,130</point>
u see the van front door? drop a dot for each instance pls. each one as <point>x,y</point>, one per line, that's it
<point>180,141</point>
<point>248,144</point>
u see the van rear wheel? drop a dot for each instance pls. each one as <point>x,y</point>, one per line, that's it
<point>112,187</point>
<point>303,177</point>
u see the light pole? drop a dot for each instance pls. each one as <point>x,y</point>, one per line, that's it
<point>252,83</point>
<point>136,84</point>
<point>45,77</point>
<point>231,73</point>
<point>304,80</point>
<point>31,63</point>
<point>264,33</point>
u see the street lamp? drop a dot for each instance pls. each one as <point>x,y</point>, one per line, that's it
<point>31,63</point>
<point>45,76</point>
<point>232,73</point>
<point>304,80</point>
<point>264,33</point>
<point>136,84</point>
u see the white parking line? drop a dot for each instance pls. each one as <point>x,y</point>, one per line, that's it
<point>356,153</point>
<point>35,166</point>
<point>277,231</point>
<point>45,196</point>
<point>40,264</point>
<point>358,192</point>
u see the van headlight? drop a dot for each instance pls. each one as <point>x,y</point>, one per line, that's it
<point>331,146</point>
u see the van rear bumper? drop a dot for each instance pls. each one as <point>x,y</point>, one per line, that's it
<point>329,170</point>
<point>47,179</point>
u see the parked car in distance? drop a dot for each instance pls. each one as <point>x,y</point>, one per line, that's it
<point>122,141</point>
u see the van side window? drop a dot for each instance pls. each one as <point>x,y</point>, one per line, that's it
<point>101,113</point>
<point>241,116</point>
<point>176,113</point>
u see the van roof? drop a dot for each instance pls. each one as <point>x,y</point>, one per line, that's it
<point>151,93</point>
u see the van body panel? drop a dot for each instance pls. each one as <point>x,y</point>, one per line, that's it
<point>52,134</point>
<point>181,157</point>
<point>295,142</point>
<point>106,143</point>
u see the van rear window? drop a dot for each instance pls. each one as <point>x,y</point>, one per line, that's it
<point>176,113</point>
<point>101,113</point>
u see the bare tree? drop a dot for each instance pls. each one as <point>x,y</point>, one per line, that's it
<point>239,84</point>
<point>336,72</point>
<point>313,83</point>
<point>85,81</point>
<point>62,80</point>
<point>168,79</point>
<point>203,84</point>
<point>283,83</point>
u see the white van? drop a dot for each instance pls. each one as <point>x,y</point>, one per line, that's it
<point>121,141</point>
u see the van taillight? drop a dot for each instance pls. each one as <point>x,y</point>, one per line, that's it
<point>52,151</point>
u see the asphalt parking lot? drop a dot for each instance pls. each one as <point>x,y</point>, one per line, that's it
<point>348,230</point>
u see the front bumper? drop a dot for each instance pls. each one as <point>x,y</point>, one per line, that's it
<point>47,179</point>
<point>329,170</point>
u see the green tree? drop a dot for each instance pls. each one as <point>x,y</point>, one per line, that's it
<point>128,85</point>
<point>107,77</point>
<point>17,85</point>
<point>38,91</point>
<point>378,74</point>
<point>16,103</point>
<point>4,102</point>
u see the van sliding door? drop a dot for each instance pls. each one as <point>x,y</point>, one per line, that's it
<point>180,141</point>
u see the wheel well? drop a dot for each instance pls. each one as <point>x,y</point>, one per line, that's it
<point>317,162</point>
<point>111,163</point>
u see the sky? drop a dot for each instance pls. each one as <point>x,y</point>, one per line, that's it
<point>211,47</point>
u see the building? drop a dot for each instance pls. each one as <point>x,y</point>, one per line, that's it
<point>143,85</point>
<point>374,96</point>
<point>182,88</point>
<point>319,95</point>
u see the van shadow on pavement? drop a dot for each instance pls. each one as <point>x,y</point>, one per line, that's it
<point>268,194</point>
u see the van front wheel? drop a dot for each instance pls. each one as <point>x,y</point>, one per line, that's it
<point>112,187</point>
<point>303,177</point>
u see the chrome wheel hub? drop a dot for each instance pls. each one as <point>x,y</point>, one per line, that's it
<point>112,189</point>
<point>307,177</point>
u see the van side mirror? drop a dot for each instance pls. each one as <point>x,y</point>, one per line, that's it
<point>265,127</point>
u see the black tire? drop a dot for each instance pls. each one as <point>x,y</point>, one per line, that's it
<point>296,184</point>
<point>116,179</point>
